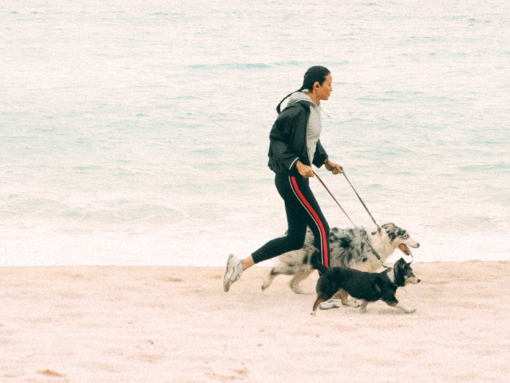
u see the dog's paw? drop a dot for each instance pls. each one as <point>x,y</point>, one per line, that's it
<point>363,307</point>
<point>410,310</point>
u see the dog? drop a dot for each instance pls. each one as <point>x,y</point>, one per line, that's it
<point>364,286</point>
<point>347,249</point>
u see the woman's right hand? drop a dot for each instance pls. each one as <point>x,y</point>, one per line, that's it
<point>305,170</point>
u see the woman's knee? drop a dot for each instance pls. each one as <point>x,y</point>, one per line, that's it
<point>321,230</point>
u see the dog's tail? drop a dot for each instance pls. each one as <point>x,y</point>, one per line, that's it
<point>316,263</point>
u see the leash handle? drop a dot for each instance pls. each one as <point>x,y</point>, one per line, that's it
<point>349,218</point>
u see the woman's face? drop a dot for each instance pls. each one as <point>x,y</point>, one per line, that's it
<point>323,91</point>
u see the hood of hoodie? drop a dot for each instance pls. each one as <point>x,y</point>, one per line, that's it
<point>301,96</point>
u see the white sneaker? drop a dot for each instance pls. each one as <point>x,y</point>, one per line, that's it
<point>331,304</point>
<point>231,273</point>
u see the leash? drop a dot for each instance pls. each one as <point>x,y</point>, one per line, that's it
<point>363,203</point>
<point>349,218</point>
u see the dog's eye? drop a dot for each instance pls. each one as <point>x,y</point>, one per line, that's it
<point>403,234</point>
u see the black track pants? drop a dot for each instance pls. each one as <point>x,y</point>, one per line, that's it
<point>302,210</point>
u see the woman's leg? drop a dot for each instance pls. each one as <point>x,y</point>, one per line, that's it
<point>297,221</point>
<point>293,240</point>
<point>302,210</point>
<point>314,217</point>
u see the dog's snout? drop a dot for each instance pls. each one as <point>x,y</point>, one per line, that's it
<point>417,245</point>
<point>412,279</point>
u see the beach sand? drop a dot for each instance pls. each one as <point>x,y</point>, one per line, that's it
<point>175,324</point>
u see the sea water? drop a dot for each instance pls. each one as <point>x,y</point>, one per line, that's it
<point>136,133</point>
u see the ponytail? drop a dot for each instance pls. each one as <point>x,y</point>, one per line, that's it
<point>312,75</point>
<point>287,96</point>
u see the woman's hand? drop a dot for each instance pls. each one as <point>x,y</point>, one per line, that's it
<point>333,167</point>
<point>305,170</point>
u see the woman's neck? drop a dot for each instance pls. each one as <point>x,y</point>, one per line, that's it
<point>314,97</point>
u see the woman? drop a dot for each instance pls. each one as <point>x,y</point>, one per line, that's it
<point>294,147</point>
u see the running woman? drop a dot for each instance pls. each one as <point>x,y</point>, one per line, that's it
<point>294,147</point>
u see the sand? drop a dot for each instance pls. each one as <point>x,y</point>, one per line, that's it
<point>175,324</point>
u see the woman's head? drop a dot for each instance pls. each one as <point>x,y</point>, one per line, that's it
<point>317,81</point>
<point>314,77</point>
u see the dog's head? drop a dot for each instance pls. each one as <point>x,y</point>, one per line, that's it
<point>404,273</point>
<point>400,238</point>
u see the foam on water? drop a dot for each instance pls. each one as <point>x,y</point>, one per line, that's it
<point>134,133</point>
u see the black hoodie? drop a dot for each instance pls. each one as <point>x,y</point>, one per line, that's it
<point>288,140</point>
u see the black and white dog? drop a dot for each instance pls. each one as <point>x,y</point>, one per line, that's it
<point>366,287</point>
<point>347,249</point>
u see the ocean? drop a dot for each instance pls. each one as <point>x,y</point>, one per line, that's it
<point>136,133</point>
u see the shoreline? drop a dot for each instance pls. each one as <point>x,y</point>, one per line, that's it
<point>176,324</point>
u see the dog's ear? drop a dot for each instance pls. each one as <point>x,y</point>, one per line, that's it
<point>401,263</point>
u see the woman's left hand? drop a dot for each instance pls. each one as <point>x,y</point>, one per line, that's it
<point>333,167</point>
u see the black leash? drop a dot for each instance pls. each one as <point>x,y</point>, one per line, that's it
<point>362,236</point>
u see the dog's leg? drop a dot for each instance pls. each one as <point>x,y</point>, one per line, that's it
<point>318,301</point>
<point>344,296</point>
<point>297,279</point>
<point>363,307</point>
<point>268,278</point>
<point>403,307</point>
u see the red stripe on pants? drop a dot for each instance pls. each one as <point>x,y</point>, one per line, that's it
<point>317,220</point>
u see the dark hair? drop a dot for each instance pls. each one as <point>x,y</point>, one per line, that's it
<point>312,75</point>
